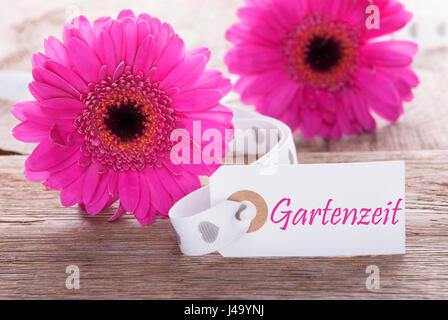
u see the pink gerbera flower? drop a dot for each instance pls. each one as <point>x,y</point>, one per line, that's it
<point>314,65</point>
<point>107,100</point>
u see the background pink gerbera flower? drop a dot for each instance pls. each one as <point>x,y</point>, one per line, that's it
<point>313,64</point>
<point>107,100</point>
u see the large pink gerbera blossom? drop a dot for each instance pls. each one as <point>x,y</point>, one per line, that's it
<point>313,64</point>
<point>107,100</point>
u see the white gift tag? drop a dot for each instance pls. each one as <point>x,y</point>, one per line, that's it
<point>317,210</point>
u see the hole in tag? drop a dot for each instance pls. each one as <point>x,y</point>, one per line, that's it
<point>247,211</point>
<point>259,203</point>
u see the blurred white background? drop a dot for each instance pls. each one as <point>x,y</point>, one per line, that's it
<point>429,27</point>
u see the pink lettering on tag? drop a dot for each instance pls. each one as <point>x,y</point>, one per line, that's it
<point>281,214</point>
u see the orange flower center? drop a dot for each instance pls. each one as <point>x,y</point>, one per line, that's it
<point>127,122</point>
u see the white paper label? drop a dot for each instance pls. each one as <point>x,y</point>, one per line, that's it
<point>320,210</point>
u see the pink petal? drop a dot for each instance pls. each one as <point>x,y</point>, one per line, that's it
<point>187,183</point>
<point>278,101</point>
<point>61,108</point>
<point>72,194</point>
<point>213,79</point>
<point>68,75</point>
<point>174,53</point>
<point>35,176</point>
<point>17,109</point>
<point>262,84</point>
<point>148,218</point>
<point>169,184</point>
<point>42,91</point>
<point>58,104</point>
<point>101,196</point>
<point>197,100</point>
<point>291,117</point>
<point>393,18</point>
<point>118,214</point>
<point>201,50</point>
<point>145,55</point>
<point>283,14</point>
<point>404,80</point>
<point>119,70</point>
<point>361,110</point>
<point>162,37</point>
<point>125,14</point>
<point>84,60</point>
<point>56,51</point>
<point>43,75</point>
<point>143,30</point>
<point>65,177</point>
<point>28,131</point>
<point>249,59</point>
<point>251,15</point>
<point>112,184</point>
<point>101,201</point>
<point>335,133</point>
<point>377,86</point>
<point>129,189</point>
<point>86,31</point>
<point>116,33</point>
<point>160,199</point>
<point>143,213</point>
<point>106,51</point>
<point>390,53</point>
<point>344,120</point>
<point>38,60</point>
<point>154,23</point>
<point>240,33</point>
<point>100,24</point>
<point>39,116</point>
<point>218,118</point>
<point>67,162</point>
<point>185,74</point>
<point>389,112</point>
<point>48,154</point>
<point>92,178</point>
<point>59,136</point>
<point>130,34</point>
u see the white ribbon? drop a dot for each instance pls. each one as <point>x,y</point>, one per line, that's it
<point>202,229</point>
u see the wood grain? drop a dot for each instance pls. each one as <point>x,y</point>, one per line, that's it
<point>39,238</point>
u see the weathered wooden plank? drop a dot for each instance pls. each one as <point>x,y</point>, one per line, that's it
<point>39,238</point>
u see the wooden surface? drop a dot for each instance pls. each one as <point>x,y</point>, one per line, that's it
<point>39,239</point>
